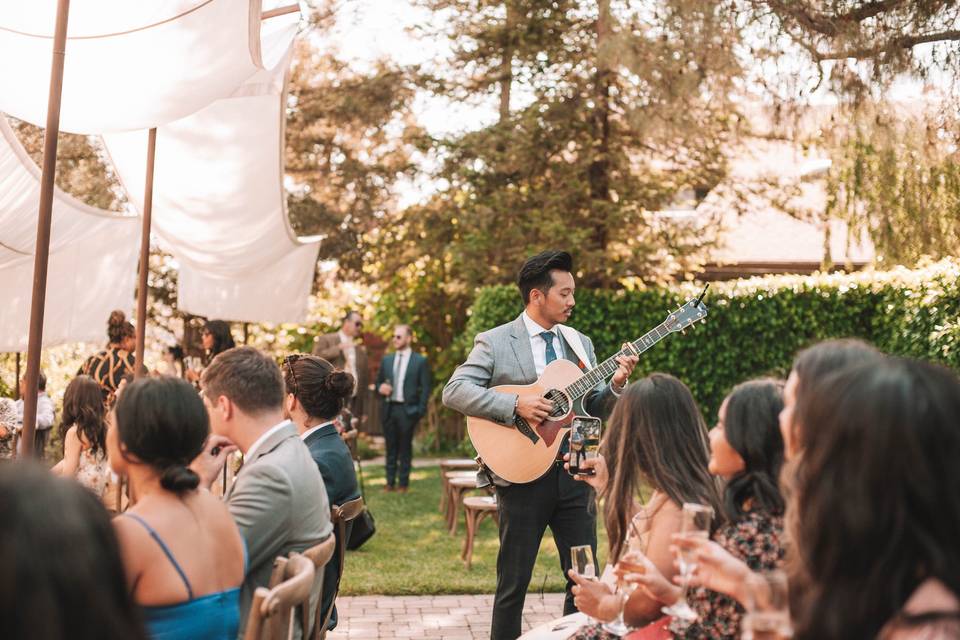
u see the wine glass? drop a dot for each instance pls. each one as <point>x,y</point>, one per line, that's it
<point>769,614</point>
<point>581,558</point>
<point>695,524</point>
<point>631,561</point>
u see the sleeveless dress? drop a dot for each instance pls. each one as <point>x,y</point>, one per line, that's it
<point>215,616</point>
<point>93,471</point>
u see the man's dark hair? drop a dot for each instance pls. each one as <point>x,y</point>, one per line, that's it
<point>251,380</point>
<point>41,381</point>
<point>535,272</point>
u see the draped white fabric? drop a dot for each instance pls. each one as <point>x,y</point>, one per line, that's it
<point>93,257</point>
<point>219,204</point>
<point>129,65</point>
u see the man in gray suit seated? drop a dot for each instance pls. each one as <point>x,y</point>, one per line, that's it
<point>277,499</point>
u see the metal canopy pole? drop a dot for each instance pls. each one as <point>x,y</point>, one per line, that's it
<point>139,367</point>
<point>42,253</point>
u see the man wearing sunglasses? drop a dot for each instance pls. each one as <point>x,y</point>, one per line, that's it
<point>403,383</point>
<point>344,350</point>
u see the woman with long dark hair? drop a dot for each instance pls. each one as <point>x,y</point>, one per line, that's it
<point>316,394</point>
<point>746,452</point>
<point>656,443</point>
<point>84,430</point>
<point>215,339</point>
<point>878,500</point>
<point>183,553</point>
<point>60,565</point>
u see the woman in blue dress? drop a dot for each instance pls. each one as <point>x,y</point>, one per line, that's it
<point>183,554</point>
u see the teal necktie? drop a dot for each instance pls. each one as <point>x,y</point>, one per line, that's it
<point>548,339</point>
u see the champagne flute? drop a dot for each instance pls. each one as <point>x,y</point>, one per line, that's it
<point>695,524</point>
<point>769,615</point>
<point>581,558</point>
<point>630,561</point>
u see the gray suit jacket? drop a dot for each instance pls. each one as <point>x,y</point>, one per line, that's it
<point>503,355</point>
<point>280,505</point>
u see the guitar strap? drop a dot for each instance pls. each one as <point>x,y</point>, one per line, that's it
<point>572,336</point>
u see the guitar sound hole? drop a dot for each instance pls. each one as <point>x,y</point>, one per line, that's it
<point>561,404</point>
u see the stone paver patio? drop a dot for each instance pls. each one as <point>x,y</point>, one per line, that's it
<point>450,617</point>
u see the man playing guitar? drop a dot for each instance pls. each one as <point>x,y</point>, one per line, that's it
<point>517,353</point>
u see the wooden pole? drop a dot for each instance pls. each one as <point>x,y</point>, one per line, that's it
<point>16,383</point>
<point>139,368</point>
<point>44,218</point>
<point>280,11</point>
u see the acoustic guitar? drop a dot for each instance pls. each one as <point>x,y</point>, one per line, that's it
<point>525,453</point>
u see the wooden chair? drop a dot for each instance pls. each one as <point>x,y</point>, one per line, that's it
<point>475,509</point>
<point>319,555</point>
<point>453,466</point>
<point>271,609</point>
<point>445,478</point>
<point>341,516</point>
<point>457,488</point>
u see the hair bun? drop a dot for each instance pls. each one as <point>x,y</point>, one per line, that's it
<point>179,478</point>
<point>117,318</point>
<point>339,383</point>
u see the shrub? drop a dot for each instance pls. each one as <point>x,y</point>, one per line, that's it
<point>756,326</point>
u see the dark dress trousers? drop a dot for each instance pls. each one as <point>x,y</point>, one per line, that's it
<point>340,479</point>
<point>400,418</point>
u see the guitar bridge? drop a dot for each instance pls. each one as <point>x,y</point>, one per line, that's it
<point>524,427</point>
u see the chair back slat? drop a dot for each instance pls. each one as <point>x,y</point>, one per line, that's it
<point>271,609</point>
<point>320,556</point>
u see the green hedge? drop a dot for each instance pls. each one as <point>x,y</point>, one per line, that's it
<point>756,326</point>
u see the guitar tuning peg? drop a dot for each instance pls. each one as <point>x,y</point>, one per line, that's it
<point>683,332</point>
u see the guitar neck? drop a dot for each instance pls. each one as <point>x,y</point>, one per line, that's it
<point>605,369</point>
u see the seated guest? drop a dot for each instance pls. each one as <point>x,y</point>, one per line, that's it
<point>878,514</point>
<point>182,551</point>
<point>656,440</point>
<point>316,393</point>
<point>717,569</point>
<point>9,420</point>
<point>84,443</point>
<point>60,566</point>
<point>108,367</point>
<point>278,498</point>
<point>746,452</point>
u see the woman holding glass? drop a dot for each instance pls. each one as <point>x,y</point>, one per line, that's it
<point>746,452</point>
<point>656,443</point>
<point>215,338</point>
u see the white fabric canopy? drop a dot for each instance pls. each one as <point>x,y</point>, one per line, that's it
<point>93,257</point>
<point>219,205</point>
<point>129,65</point>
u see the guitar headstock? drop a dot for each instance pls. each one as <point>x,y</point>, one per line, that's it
<point>691,312</point>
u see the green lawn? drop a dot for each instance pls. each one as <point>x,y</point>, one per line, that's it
<point>413,554</point>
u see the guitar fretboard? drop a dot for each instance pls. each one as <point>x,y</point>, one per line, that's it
<point>605,369</point>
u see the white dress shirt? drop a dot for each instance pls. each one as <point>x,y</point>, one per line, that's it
<point>539,345</point>
<point>46,412</point>
<point>349,353</point>
<point>404,355</point>
<point>309,432</point>
<point>252,451</point>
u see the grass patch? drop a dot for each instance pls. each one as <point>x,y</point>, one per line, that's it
<point>413,554</point>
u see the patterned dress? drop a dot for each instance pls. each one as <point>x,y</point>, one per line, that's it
<point>93,472</point>
<point>108,368</point>
<point>757,539</point>
<point>8,427</point>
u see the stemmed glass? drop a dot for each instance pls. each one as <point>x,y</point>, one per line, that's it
<point>631,560</point>
<point>581,558</point>
<point>769,615</point>
<point>695,524</point>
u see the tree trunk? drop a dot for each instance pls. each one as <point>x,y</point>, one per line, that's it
<point>506,63</point>
<point>599,172</point>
